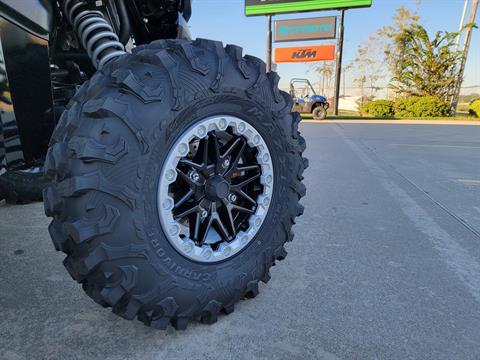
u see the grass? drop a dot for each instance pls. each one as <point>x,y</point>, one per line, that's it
<point>353,115</point>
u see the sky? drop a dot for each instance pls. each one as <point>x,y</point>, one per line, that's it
<point>224,20</point>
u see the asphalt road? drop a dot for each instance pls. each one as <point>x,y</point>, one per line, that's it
<point>385,265</point>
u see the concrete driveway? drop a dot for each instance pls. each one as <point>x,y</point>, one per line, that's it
<point>385,265</point>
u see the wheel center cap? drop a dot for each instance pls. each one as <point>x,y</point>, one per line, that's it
<point>217,188</point>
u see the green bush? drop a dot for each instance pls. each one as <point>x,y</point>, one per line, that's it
<point>378,108</point>
<point>424,106</point>
<point>474,108</point>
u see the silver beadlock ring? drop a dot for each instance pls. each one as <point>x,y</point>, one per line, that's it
<point>173,229</point>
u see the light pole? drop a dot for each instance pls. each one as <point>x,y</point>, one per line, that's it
<point>468,38</point>
<point>269,44</point>
<point>462,20</point>
<point>338,71</point>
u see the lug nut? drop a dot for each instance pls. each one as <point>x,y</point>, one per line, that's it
<point>170,175</point>
<point>188,247</point>
<point>226,163</point>
<point>227,251</point>
<point>241,127</point>
<point>232,197</point>
<point>202,131</point>
<point>174,230</point>
<point>223,123</point>
<point>183,149</point>
<point>194,176</point>
<point>168,204</point>
<point>203,213</point>
<point>207,253</point>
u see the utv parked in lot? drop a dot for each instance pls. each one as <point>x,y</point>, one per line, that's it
<point>173,167</point>
<point>306,100</point>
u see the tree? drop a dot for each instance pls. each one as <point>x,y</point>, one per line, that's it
<point>345,70</point>
<point>360,82</point>
<point>325,71</point>
<point>369,66</point>
<point>389,35</point>
<point>372,62</point>
<point>425,67</point>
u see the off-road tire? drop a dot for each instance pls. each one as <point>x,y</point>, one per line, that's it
<point>105,160</point>
<point>319,113</point>
<point>21,187</point>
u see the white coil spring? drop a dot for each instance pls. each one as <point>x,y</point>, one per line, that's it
<point>95,33</point>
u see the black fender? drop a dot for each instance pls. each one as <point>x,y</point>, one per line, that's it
<point>26,99</point>
<point>34,16</point>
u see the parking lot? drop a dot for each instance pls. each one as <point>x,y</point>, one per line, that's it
<point>385,265</point>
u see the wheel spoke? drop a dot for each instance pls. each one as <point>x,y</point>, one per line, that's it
<point>188,211</point>
<point>196,230</point>
<point>216,221</point>
<point>187,179</point>
<point>246,197</point>
<point>234,164</point>
<point>248,168</point>
<point>245,182</point>
<point>232,147</point>
<point>192,164</point>
<point>205,231</point>
<point>231,223</point>
<point>223,232</point>
<point>216,148</point>
<point>242,209</point>
<point>183,199</point>
<point>205,227</point>
<point>205,150</point>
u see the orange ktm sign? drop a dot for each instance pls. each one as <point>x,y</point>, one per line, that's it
<point>304,53</point>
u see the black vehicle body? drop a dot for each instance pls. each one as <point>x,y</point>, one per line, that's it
<point>309,100</point>
<point>38,74</point>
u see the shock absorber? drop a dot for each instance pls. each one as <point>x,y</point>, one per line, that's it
<point>94,32</point>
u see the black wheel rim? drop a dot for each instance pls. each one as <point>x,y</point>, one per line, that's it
<point>215,188</point>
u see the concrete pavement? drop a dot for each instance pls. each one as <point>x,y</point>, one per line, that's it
<point>384,265</point>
